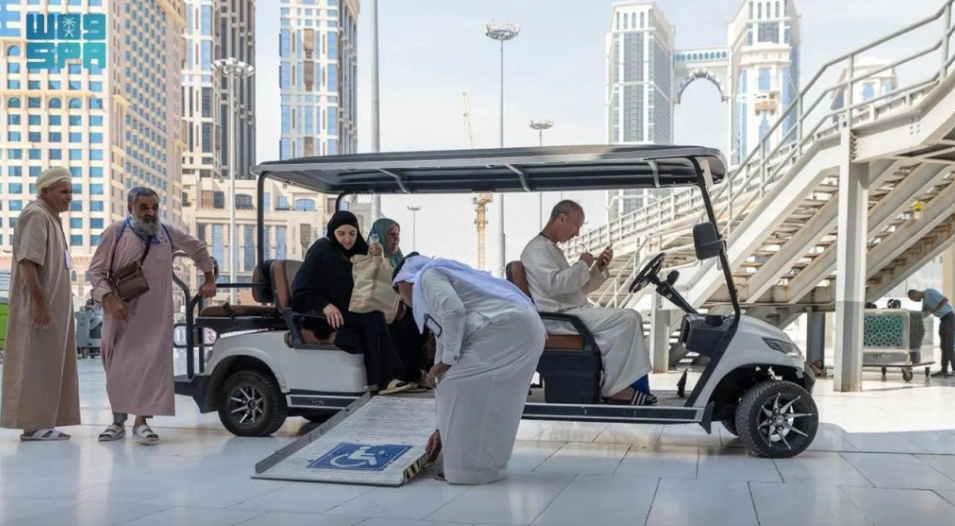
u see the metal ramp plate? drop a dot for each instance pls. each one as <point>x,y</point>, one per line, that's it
<point>377,441</point>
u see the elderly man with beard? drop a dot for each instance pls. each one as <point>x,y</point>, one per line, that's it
<point>137,334</point>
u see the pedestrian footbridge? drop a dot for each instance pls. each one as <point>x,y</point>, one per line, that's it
<point>856,197</point>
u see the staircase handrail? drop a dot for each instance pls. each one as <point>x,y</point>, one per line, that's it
<point>767,166</point>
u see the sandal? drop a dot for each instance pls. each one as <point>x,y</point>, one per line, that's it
<point>396,386</point>
<point>113,432</point>
<point>44,435</point>
<point>638,398</point>
<point>145,435</point>
<point>439,476</point>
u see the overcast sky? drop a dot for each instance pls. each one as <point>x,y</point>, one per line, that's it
<point>430,55</point>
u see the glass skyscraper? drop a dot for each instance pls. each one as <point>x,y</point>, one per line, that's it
<point>639,88</point>
<point>115,123</point>
<point>317,73</point>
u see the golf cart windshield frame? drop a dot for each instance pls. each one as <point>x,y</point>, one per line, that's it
<point>507,170</point>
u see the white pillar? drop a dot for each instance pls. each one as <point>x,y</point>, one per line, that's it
<point>850,270</point>
<point>948,273</point>
<point>816,336</point>
<point>660,336</point>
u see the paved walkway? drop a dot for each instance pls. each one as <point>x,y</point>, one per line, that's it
<point>885,457</point>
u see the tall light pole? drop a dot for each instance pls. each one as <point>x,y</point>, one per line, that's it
<point>375,101</point>
<point>233,69</point>
<point>540,125</point>
<point>414,226</point>
<point>502,32</point>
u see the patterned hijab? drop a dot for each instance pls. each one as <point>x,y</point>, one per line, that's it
<point>380,229</point>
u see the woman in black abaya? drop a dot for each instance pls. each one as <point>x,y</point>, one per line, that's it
<point>324,285</point>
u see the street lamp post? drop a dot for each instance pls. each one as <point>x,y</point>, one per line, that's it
<point>414,226</point>
<point>375,102</point>
<point>233,69</point>
<point>502,32</point>
<point>540,125</point>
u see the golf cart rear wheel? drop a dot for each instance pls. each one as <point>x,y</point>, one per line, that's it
<point>777,419</point>
<point>251,404</point>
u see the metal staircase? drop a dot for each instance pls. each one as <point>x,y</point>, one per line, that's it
<point>779,207</point>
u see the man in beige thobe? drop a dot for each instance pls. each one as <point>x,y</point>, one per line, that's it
<point>40,386</point>
<point>137,344</point>
<point>557,286</point>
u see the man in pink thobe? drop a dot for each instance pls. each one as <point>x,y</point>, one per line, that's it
<point>40,387</point>
<point>137,343</point>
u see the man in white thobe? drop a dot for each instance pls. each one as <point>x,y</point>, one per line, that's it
<point>557,286</point>
<point>490,339</point>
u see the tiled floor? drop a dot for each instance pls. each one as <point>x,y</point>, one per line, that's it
<point>884,457</point>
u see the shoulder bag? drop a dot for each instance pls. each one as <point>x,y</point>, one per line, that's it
<point>129,282</point>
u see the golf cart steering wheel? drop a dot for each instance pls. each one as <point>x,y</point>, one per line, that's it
<point>650,270</point>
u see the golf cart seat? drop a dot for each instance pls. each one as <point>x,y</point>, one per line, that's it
<point>570,367</point>
<point>283,275</point>
<point>243,311</point>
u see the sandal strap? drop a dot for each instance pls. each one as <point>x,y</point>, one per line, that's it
<point>113,429</point>
<point>113,432</point>
<point>145,431</point>
<point>46,434</point>
<point>639,398</point>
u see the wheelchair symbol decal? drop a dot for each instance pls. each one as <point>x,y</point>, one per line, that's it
<point>360,457</point>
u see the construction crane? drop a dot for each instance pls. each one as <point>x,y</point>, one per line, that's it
<point>482,199</point>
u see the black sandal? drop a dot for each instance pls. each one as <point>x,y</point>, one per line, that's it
<point>638,398</point>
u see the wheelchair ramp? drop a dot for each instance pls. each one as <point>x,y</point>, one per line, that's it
<point>378,441</point>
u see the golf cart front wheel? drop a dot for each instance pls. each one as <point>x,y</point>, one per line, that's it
<point>251,404</point>
<point>777,419</point>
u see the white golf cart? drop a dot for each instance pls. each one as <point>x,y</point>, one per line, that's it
<point>755,382</point>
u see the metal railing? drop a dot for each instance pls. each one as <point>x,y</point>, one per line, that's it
<point>766,165</point>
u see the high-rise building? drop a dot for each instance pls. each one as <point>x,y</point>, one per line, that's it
<point>101,97</point>
<point>640,75</point>
<point>639,88</point>
<point>201,98</point>
<point>757,74</point>
<point>764,80</point>
<point>317,73</point>
<point>237,40</point>
<point>217,29</point>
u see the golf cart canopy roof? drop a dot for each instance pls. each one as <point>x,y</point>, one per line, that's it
<point>547,169</point>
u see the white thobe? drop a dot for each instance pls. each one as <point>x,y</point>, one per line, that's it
<point>557,286</point>
<point>493,346</point>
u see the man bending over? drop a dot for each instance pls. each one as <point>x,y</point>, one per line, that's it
<point>557,286</point>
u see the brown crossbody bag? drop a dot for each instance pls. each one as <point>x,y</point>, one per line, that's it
<point>129,282</point>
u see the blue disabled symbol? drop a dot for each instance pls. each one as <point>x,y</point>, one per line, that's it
<point>360,457</point>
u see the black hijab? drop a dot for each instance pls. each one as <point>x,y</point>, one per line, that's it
<point>343,218</point>
<point>326,273</point>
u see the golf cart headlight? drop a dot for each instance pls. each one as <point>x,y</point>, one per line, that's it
<point>787,348</point>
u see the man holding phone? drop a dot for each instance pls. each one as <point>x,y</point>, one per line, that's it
<point>557,286</point>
